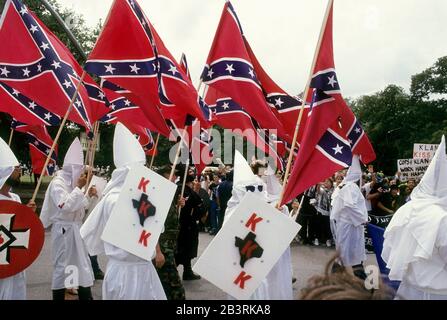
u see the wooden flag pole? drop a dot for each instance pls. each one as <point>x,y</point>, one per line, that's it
<point>155,151</point>
<point>92,152</point>
<point>303,104</point>
<point>56,139</point>
<point>10,137</point>
<point>185,174</point>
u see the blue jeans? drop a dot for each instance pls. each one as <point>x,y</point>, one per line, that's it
<point>214,211</point>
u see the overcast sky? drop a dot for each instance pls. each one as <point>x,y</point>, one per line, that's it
<point>376,43</point>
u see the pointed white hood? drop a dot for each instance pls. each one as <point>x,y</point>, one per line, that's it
<point>73,164</point>
<point>433,185</point>
<point>126,148</point>
<point>415,232</point>
<point>243,175</point>
<point>74,155</point>
<point>7,162</point>
<point>354,173</point>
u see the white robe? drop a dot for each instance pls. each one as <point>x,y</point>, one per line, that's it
<point>350,214</point>
<point>127,276</point>
<point>64,208</point>
<point>279,279</point>
<point>14,287</point>
<point>415,250</point>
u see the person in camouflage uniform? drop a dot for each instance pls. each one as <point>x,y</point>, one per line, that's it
<point>168,274</point>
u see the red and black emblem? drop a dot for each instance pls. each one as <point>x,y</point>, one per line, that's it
<point>144,207</point>
<point>248,248</point>
<point>21,238</point>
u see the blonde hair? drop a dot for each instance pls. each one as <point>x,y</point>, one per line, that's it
<point>342,285</point>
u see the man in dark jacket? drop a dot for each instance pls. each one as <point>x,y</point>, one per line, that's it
<point>188,237</point>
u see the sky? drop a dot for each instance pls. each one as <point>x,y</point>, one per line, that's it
<point>376,43</point>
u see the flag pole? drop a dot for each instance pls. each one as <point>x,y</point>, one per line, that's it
<point>185,174</point>
<point>177,155</point>
<point>155,151</point>
<point>92,153</point>
<point>70,107</point>
<point>10,137</point>
<point>303,103</point>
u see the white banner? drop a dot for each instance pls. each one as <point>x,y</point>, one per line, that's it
<point>424,151</point>
<point>247,247</point>
<point>412,168</point>
<point>139,215</point>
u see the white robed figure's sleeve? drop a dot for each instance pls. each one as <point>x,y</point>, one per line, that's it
<point>93,227</point>
<point>67,202</point>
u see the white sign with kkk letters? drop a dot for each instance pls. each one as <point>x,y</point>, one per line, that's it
<point>246,248</point>
<point>138,218</point>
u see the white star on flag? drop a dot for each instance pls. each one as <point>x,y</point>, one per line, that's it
<point>15,92</point>
<point>47,116</point>
<point>26,72</point>
<point>229,68</point>
<point>48,151</point>
<point>357,130</point>
<point>210,73</point>
<point>36,143</point>
<point>173,69</point>
<point>101,95</point>
<point>135,68</point>
<point>112,106</point>
<point>23,10</point>
<point>110,68</point>
<point>56,64</point>
<point>39,67</point>
<point>127,102</point>
<point>44,46</point>
<point>278,102</point>
<point>67,84</point>
<point>5,71</point>
<point>78,103</point>
<point>32,105</point>
<point>251,73</point>
<point>33,28</point>
<point>332,81</point>
<point>337,149</point>
<point>226,106</point>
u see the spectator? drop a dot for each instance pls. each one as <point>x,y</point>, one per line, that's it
<point>388,202</point>
<point>214,207</point>
<point>323,205</point>
<point>223,196</point>
<point>307,231</point>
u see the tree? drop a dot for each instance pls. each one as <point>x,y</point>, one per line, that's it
<point>86,37</point>
<point>395,120</point>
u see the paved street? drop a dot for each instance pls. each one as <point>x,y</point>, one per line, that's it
<point>307,261</point>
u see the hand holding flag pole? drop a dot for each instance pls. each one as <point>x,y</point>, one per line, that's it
<point>184,182</point>
<point>306,92</point>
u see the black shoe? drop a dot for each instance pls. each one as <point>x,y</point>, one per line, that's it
<point>99,275</point>
<point>293,280</point>
<point>191,276</point>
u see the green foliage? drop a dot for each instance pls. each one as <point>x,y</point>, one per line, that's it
<point>394,120</point>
